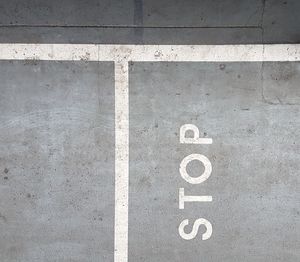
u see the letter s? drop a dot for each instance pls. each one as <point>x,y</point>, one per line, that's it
<point>197,223</point>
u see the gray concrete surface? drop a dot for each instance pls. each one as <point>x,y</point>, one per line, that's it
<point>57,134</point>
<point>56,161</point>
<point>253,118</point>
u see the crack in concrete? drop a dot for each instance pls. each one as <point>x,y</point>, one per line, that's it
<point>128,26</point>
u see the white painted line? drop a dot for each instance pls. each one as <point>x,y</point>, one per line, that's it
<point>159,53</point>
<point>121,162</point>
<point>50,52</point>
<point>120,55</point>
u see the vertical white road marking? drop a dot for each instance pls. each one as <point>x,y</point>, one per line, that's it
<point>121,161</point>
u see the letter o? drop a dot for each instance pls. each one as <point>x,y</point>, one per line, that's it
<point>195,180</point>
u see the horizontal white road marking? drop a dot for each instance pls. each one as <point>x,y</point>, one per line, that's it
<point>121,54</point>
<point>168,53</point>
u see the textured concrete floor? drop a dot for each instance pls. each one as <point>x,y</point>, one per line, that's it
<point>57,134</point>
<point>255,178</point>
<point>57,161</point>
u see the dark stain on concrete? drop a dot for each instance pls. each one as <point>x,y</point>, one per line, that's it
<point>222,66</point>
<point>138,21</point>
<point>3,218</point>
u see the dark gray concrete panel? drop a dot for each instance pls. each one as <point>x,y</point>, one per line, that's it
<point>56,161</point>
<point>195,13</point>
<point>131,35</point>
<point>251,111</point>
<point>281,21</point>
<point>131,12</point>
<point>66,12</point>
<point>151,22</point>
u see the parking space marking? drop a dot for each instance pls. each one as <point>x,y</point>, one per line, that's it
<point>121,55</point>
<point>150,53</point>
<point>121,161</point>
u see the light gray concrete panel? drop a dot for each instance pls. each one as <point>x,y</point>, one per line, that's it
<point>56,161</point>
<point>254,155</point>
